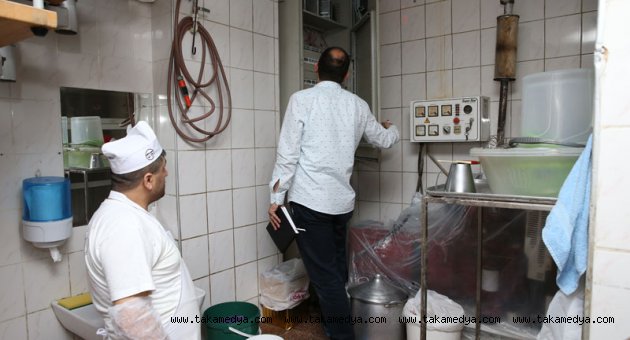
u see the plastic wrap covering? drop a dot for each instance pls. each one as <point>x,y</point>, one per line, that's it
<point>393,249</point>
<point>517,279</point>
<point>284,286</point>
<point>136,319</point>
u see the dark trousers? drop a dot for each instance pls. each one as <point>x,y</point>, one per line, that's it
<point>323,250</point>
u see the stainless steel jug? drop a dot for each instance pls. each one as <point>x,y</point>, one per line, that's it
<point>460,178</point>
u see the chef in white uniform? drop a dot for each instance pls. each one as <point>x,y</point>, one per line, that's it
<point>137,277</point>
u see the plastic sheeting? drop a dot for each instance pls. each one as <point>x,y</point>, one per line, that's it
<point>510,260</point>
<point>393,249</point>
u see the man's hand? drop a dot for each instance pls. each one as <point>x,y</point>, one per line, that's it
<point>273,217</point>
<point>386,124</point>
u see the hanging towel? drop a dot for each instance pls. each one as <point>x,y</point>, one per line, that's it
<point>566,231</point>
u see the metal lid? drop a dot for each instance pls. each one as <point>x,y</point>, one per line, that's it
<point>378,290</point>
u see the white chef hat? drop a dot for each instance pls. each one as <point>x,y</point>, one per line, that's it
<point>133,152</point>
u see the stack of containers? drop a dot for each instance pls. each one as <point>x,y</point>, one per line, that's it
<point>557,106</point>
<point>86,134</point>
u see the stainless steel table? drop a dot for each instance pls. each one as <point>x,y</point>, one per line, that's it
<point>483,198</point>
<point>87,183</point>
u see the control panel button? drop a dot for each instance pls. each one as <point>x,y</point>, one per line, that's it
<point>446,129</point>
<point>456,120</point>
<point>457,129</point>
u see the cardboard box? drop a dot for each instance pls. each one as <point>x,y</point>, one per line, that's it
<point>286,318</point>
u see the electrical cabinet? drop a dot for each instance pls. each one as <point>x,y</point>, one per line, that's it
<point>308,27</point>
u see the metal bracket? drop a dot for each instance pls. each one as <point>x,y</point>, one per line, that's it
<point>196,9</point>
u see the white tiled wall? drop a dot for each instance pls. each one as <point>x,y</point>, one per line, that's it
<point>445,48</point>
<point>220,187</point>
<point>112,52</point>
<point>610,234</point>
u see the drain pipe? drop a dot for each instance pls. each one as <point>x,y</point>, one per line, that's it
<point>504,65</point>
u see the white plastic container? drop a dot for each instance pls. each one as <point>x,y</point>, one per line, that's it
<point>64,130</point>
<point>86,129</point>
<point>527,171</point>
<point>558,105</point>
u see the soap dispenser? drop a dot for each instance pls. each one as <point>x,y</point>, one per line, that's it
<point>47,215</point>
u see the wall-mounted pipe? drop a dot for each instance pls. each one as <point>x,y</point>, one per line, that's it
<point>505,53</point>
<point>505,63</point>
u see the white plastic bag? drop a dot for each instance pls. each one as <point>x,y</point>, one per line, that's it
<point>284,286</point>
<point>438,306</point>
<point>567,306</point>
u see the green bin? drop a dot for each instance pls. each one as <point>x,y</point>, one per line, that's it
<point>242,316</point>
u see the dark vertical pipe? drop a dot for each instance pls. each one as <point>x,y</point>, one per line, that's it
<point>502,111</point>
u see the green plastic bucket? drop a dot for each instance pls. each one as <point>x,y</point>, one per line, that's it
<point>242,316</point>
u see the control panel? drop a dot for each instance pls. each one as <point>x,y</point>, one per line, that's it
<point>464,119</point>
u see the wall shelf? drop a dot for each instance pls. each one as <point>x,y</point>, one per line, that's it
<point>321,23</point>
<point>17,19</point>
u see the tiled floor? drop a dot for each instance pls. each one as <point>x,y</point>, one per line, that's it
<point>300,331</point>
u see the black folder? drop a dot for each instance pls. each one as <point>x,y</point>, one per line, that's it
<point>287,231</point>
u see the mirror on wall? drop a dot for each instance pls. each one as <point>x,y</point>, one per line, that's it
<point>90,118</point>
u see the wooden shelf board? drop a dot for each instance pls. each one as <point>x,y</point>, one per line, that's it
<point>17,19</point>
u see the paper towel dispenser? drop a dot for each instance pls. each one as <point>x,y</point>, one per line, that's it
<point>47,212</point>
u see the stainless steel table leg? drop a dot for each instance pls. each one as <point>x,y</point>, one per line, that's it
<point>479,270</point>
<point>85,195</point>
<point>424,252</point>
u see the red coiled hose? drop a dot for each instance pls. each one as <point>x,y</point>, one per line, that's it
<point>178,73</point>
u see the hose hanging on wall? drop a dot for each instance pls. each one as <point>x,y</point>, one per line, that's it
<point>180,78</point>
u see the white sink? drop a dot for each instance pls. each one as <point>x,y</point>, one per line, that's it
<point>83,321</point>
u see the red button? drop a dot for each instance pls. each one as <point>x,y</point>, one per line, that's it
<point>456,120</point>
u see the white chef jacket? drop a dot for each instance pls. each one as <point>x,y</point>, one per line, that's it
<point>127,251</point>
<point>320,133</point>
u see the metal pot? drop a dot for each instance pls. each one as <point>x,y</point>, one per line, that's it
<point>378,304</point>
